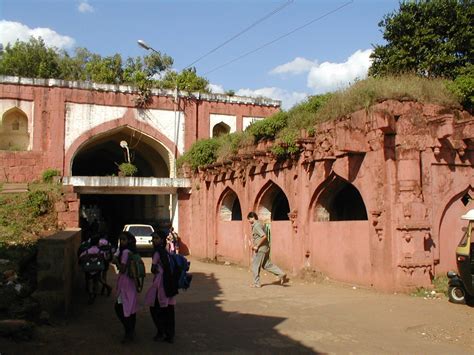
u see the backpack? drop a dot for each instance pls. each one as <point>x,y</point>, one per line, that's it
<point>179,268</point>
<point>268,233</point>
<point>136,270</point>
<point>106,251</point>
<point>91,263</point>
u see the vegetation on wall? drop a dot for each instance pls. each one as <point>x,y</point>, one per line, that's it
<point>25,216</point>
<point>285,126</point>
<point>33,59</point>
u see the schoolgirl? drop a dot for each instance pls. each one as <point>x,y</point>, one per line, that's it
<point>160,296</point>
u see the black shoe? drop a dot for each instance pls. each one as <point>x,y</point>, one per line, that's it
<point>158,336</point>
<point>91,299</point>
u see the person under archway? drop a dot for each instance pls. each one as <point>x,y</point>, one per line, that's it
<point>261,256</point>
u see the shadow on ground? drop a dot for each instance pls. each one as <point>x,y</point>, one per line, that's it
<point>201,326</point>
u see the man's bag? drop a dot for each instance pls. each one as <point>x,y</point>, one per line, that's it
<point>180,267</point>
<point>92,263</point>
<point>136,270</point>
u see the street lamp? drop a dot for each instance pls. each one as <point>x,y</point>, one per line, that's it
<point>173,204</point>
<point>124,145</point>
<point>145,45</point>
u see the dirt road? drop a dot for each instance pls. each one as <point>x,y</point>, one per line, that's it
<point>220,313</point>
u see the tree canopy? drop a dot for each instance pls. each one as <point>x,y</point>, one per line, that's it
<point>431,38</point>
<point>33,59</point>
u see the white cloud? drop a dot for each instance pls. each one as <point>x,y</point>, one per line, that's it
<point>296,66</point>
<point>216,88</point>
<point>329,76</point>
<point>84,7</point>
<point>11,31</point>
<point>287,98</point>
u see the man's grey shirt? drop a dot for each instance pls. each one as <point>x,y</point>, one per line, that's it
<point>257,234</point>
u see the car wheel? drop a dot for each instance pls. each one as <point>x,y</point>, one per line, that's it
<point>457,295</point>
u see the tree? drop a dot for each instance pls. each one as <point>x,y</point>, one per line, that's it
<point>186,80</point>
<point>30,59</point>
<point>33,59</point>
<point>430,38</point>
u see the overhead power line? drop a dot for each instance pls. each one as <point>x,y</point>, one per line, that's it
<point>279,38</point>
<point>278,9</point>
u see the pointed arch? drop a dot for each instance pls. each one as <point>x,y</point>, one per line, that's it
<point>100,154</point>
<point>229,206</point>
<point>272,203</point>
<point>449,228</point>
<point>220,129</point>
<point>155,138</point>
<point>336,199</point>
<point>14,133</point>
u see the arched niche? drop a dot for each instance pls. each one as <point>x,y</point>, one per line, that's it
<point>230,209</point>
<point>14,133</point>
<point>273,204</point>
<point>100,155</point>
<point>339,200</point>
<point>220,129</point>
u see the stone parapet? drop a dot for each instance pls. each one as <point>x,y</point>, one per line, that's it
<point>58,271</point>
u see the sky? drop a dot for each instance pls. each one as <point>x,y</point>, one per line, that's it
<point>281,49</point>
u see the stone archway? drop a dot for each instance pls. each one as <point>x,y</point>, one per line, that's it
<point>100,155</point>
<point>451,230</point>
<point>14,133</point>
<point>339,200</point>
<point>339,242</point>
<point>229,236</point>
<point>220,129</point>
<point>272,207</point>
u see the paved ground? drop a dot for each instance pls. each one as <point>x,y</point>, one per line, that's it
<point>222,314</point>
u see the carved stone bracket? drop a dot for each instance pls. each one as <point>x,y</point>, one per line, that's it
<point>293,215</point>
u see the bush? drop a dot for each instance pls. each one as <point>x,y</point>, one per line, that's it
<point>38,202</point>
<point>203,152</point>
<point>128,169</point>
<point>48,175</point>
<point>463,87</point>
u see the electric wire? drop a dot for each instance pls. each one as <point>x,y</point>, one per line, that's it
<point>278,9</point>
<point>279,38</point>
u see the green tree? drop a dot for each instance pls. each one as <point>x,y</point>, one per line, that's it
<point>186,80</point>
<point>432,38</point>
<point>30,59</point>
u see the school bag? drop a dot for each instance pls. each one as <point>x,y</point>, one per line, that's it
<point>179,268</point>
<point>92,263</point>
<point>136,270</point>
<point>106,251</point>
<point>268,233</point>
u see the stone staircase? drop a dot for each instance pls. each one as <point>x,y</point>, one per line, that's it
<point>8,188</point>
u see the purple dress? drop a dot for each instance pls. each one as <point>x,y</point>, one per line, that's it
<point>126,291</point>
<point>157,288</point>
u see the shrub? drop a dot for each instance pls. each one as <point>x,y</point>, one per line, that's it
<point>39,202</point>
<point>203,152</point>
<point>128,169</point>
<point>48,175</point>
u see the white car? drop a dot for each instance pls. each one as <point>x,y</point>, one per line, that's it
<point>142,233</point>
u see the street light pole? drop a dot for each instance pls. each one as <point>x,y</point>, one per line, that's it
<point>173,206</point>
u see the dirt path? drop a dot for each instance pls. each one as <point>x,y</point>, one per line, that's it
<point>222,314</point>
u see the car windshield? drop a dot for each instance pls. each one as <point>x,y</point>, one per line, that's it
<point>141,231</point>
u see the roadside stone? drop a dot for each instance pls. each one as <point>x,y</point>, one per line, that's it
<point>4,261</point>
<point>17,329</point>
<point>26,308</point>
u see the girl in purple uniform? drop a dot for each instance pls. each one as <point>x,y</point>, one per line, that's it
<point>160,296</point>
<point>127,297</point>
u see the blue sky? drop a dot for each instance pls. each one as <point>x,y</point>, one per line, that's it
<point>323,56</point>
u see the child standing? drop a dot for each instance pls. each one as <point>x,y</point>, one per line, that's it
<point>93,265</point>
<point>160,296</point>
<point>127,298</point>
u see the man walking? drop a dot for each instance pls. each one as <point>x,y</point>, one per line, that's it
<point>261,248</point>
